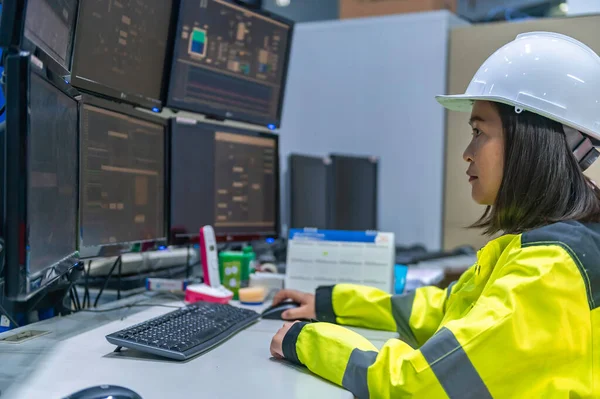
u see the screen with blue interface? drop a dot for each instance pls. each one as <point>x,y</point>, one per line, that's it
<point>229,62</point>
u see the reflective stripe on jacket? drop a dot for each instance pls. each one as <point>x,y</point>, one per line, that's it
<point>522,322</point>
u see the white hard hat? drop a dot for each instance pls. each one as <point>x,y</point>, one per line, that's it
<point>546,73</point>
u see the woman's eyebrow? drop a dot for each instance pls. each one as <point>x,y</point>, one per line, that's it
<point>476,119</point>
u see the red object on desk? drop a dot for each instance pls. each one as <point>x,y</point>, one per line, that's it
<point>206,293</point>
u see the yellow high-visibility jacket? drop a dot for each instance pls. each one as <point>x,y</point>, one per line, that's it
<point>523,322</point>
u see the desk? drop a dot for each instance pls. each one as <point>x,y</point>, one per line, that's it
<point>75,355</point>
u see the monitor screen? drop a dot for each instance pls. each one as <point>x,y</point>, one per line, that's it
<point>224,177</point>
<point>229,62</point>
<point>353,193</point>
<point>50,24</point>
<point>52,183</point>
<point>121,47</point>
<point>122,178</point>
<point>308,191</point>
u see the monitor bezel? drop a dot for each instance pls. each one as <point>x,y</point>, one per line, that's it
<point>102,91</point>
<point>19,283</point>
<point>49,62</point>
<point>221,237</point>
<point>223,115</point>
<point>119,248</point>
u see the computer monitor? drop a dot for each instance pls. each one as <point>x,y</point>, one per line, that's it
<point>308,179</point>
<point>224,177</point>
<point>41,158</point>
<point>49,27</point>
<point>121,49</point>
<point>122,169</point>
<point>229,62</point>
<point>353,193</point>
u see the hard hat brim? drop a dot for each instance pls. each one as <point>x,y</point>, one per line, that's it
<point>464,102</point>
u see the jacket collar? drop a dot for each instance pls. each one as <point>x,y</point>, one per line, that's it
<point>488,256</point>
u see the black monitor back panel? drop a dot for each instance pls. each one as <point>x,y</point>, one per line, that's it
<point>39,218</point>
<point>309,179</point>
<point>12,24</point>
<point>122,177</point>
<point>353,193</point>
<point>230,62</point>
<point>122,49</point>
<point>224,177</point>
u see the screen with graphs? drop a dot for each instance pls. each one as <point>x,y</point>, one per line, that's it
<point>229,62</point>
<point>122,168</point>
<point>244,182</point>
<point>50,24</point>
<point>121,45</point>
<point>223,177</point>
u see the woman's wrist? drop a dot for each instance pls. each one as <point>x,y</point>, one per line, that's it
<point>289,342</point>
<point>324,304</point>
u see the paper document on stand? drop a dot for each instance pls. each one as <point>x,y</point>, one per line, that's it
<point>328,257</point>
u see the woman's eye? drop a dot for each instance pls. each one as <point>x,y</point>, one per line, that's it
<point>476,132</point>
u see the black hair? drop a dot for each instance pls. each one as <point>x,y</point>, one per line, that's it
<point>542,182</point>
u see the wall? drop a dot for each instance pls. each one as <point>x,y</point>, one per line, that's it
<point>578,7</point>
<point>469,48</point>
<point>367,87</point>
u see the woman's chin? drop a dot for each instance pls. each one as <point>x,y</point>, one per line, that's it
<point>479,198</point>
<point>482,201</point>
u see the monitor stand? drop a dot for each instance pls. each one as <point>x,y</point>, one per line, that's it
<point>49,297</point>
<point>118,263</point>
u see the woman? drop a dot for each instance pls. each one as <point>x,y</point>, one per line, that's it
<point>523,321</point>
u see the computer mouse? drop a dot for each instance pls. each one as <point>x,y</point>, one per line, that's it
<point>274,312</point>
<point>105,392</point>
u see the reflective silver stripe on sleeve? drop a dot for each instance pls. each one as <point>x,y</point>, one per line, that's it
<point>355,376</point>
<point>401,310</point>
<point>452,367</point>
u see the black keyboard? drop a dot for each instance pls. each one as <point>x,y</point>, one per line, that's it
<point>185,332</point>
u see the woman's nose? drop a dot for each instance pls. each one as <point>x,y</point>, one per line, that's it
<point>468,154</point>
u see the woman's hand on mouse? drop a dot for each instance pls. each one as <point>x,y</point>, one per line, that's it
<point>277,341</point>
<point>306,310</point>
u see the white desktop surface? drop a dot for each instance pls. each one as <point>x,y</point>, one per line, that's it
<point>75,355</point>
<point>377,337</point>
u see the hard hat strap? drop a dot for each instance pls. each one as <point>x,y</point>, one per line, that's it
<point>581,146</point>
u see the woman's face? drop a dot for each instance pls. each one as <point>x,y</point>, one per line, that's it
<point>485,153</point>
